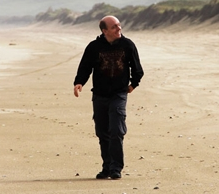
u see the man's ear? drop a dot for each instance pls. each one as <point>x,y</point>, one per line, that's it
<point>104,31</point>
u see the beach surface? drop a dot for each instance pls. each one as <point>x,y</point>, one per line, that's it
<point>48,144</point>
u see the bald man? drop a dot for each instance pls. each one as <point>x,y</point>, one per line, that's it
<point>114,63</point>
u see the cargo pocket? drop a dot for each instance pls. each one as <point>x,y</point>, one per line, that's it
<point>121,120</point>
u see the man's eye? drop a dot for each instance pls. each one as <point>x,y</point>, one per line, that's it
<point>116,26</point>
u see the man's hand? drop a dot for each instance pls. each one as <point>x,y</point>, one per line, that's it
<point>77,88</point>
<point>130,89</point>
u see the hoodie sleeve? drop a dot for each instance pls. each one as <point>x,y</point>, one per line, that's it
<point>136,68</point>
<point>84,68</point>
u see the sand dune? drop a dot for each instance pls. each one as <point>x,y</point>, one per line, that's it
<point>48,143</point>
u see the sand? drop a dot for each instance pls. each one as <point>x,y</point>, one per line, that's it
<point>48,144</point>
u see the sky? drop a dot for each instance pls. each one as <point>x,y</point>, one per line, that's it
<point>33,7</point>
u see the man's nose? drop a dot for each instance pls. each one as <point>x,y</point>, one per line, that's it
<point>119,27</point>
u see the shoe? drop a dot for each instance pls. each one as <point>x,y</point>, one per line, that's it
<point>104,174</point>
<point>115,175</point>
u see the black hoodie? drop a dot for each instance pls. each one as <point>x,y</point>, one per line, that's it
<point>114,66</point>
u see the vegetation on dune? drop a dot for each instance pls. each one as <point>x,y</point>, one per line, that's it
<point>62,15</point>
<point>141,17</point>
<point>98,11</point>
<point>178,5</point>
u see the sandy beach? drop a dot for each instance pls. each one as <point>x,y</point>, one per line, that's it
<point>48,144</point>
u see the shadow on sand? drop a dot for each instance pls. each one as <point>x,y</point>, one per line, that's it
<point>50,180</point>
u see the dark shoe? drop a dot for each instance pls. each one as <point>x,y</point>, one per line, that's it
<point>102,175</point>
<point>115,175</point>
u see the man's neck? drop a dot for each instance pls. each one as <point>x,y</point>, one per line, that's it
<point>112,41</point>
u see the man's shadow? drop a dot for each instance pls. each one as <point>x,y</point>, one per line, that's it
<point>76,179</point>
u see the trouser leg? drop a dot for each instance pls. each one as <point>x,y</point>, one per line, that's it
<point>110,126</point>
<point>101,120</point>
<point>117,126</point>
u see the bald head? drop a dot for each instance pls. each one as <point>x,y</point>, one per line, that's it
<point>104,22</point>
<point>111,28</point>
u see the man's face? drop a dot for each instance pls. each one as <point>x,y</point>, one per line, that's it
<point>113,31</point>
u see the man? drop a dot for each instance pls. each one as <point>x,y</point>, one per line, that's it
<point>114,63</point>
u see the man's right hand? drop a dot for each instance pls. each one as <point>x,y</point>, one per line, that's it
<point>77,88</point>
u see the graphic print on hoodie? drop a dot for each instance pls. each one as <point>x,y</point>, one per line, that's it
<point>112,62</point>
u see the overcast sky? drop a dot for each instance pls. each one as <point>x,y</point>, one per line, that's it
<point>33,7</point>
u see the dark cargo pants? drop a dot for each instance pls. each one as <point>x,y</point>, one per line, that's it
<point>109,118</point>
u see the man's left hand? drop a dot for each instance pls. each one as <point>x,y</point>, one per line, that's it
<point>130,89</point>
